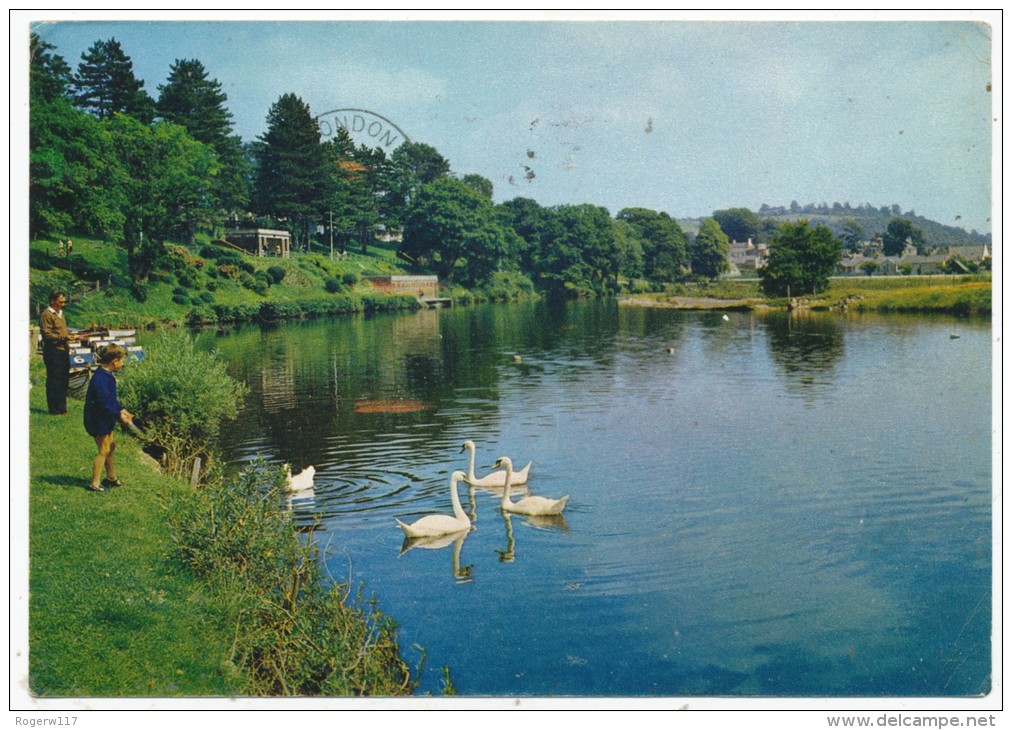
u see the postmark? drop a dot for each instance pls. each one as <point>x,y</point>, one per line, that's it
<point>364,127</point>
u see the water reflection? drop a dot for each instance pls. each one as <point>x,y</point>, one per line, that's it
<point>701,441</point>
<point>461,574</point>
<point>805,347</point>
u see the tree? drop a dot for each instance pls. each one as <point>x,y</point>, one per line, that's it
<point>290,180</point>
<point>48,74</point>
<point>355,182</point>
<point>74,177</point>
<point>482,184</point>
<point>192,100</point>
<point>105,84</point>
<point>665,254</point>
<point>801,260</point>
<point>898,233</point>
<point>710,250</point>
<point>853,234</point>
<point>740,224</point>
<point>165,187</point>
<point>629,244</point>
<point>869,267</point>
<point>412,165</point>
<point>454,227</point>
<point>528,219</point>
<point>578,252</point>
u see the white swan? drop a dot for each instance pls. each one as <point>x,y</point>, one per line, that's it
<point>528,505</point>
<point>496,478</point>
<point>435,525</point>
<point>301,482</point>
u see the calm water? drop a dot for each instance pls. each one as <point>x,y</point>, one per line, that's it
<point>779,506</point>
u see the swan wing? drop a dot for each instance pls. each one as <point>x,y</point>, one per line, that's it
<point>493,479</point>
<point>537,506</point>
<point>498,478</point>
<point>433,526</point>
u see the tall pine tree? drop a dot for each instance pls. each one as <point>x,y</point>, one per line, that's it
<point>289,180</point>
<point>192,100</point>
<point>49,75</point>
<point>105,84</point>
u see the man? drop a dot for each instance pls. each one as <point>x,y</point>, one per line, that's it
<point>56,352</point>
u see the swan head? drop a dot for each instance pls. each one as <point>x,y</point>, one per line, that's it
<point>457,476</point>
<point>504,461</point>
<point>467,445</point>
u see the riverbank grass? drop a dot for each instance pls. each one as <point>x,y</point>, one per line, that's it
<point>111,614</point>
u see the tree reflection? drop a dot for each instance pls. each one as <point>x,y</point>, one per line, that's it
<point>805,347</point>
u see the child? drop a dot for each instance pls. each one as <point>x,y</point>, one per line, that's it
<point>102,410</point>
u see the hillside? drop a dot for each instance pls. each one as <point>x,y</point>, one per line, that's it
<point>872,220</point>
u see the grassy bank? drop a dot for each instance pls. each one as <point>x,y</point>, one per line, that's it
<point>155,589</point>
<point>208,284</point>
<point>941,294</point>
<point>110,613</point>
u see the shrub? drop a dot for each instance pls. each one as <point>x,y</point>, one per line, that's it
<point>350,278</point>
<point>39,260</point>
<point>332,285</point>
<point>139,291</point>
<point>181,395</point>
<point>295,632</point>
<point>207,297</point>
<point>181,290</point>
<point>277,273</point>
<point>181,299</point>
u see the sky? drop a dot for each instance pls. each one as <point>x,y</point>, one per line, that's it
<point>685,116</point>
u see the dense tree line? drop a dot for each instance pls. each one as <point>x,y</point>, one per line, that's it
<point>109,160</point>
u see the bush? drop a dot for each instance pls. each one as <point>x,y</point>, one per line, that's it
<point>332,285</point>
<point>350,278</point>
<point>277,273</point>
<point>296,634</point>
<point>39,260</point>
<point>181,299</point>
<point>206,297</point>
<point>181,395</point>
<point>139,291</point>
<point>258,286</point>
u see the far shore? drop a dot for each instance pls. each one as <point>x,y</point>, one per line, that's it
<point>694,303</point>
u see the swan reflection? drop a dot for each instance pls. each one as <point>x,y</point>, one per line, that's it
<point>507,555</point>
<point>460,574</point>
<point>541,522</point>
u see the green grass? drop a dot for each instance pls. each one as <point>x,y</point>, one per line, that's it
<point>942,294</point>
<point>111,614</point>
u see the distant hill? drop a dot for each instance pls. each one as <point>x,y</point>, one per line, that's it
<point>873,220</point>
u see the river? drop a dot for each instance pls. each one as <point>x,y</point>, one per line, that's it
<point>760,505</point>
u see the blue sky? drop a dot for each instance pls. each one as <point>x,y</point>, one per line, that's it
<point>681,116</point>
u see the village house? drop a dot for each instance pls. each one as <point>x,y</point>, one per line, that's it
<point>747,257</point>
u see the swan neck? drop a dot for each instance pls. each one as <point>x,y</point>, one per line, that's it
<point>470,464</point>
<point>458,510</point>
<point>506,487</point>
